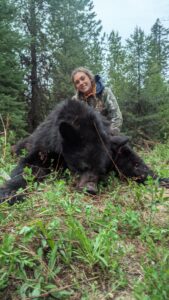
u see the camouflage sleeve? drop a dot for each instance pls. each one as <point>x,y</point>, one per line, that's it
<point>112,107</point>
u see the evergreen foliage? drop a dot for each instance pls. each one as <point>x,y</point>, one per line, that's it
<point>11,85</point>
<point>115,61</point>
<point>138,74</point>
<point>59,36</point>
<point>75,40</point>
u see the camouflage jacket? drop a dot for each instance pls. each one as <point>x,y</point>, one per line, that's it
<point>105,102</point>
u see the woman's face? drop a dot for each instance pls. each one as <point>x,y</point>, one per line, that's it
<point>82,82</point>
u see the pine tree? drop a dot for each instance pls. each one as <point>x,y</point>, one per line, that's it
<point>115,66</point>
<point>156,89</point>
<point>11,84</point>
<point>75,41</point>
<point>32,22</point>
<point>60,35</point>
<point>158,49</point>
<point>135,65</point>
<point>134,69</point>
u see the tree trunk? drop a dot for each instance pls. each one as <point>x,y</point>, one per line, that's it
<point>34,114</point>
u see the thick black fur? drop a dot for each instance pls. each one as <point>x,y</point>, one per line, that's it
<point>76,137</point>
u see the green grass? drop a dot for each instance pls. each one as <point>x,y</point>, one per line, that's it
<point>61,244</point>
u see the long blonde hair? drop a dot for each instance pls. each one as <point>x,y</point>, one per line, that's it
<point>84,70</point>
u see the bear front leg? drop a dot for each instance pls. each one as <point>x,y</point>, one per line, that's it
<point>8,192</point>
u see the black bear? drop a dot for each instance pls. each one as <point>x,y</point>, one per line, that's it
<point>76,137</point>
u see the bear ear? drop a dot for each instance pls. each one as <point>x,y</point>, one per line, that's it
<point>118,141</point>
<point>69,133</point>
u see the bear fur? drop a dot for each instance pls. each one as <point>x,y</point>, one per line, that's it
<point>76,137</point>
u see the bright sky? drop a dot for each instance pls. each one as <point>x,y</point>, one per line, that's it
<point>124,15</point>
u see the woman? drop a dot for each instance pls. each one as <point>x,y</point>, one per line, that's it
<point>90,88</point>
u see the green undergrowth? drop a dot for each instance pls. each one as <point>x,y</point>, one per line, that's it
<point>61,244</point>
